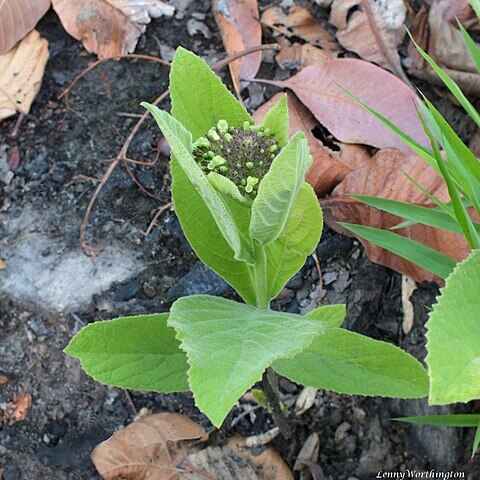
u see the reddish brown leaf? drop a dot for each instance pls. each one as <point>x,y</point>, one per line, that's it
<point>329,166</point>
<point>371,34</point>
<point>240,27</point>
<point>318,87</point>
<point>16,410</point>
<point>453,9</point>
<point>14,158</point>
<point>147,449</point>
<point>299,23</point>
<point>17,18</point>
<point>109,27</point>
<point>383,176</point>
<point>299,55</point>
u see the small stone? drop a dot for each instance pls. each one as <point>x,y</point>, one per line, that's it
<point>341,432</point>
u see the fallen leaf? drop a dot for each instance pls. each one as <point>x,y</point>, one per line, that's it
<point>240,29</point>
<point>307,459</point>
<point>420,32</point>
<point>444,43</point>
<point>300,23</point>
<point>3,265</point>
<point>319,88</point>
<point>384,177</point>
<point>21,72</point>
<point>299,55</point>
<point>374,37</point>
<point>148,449</point>
<point>109,27</point>
<point>408,287</point>
<point>16,410</point>
<point>330,165</point>
<point>17,18</point>
<point>3,380</point>
<point>453,9</point>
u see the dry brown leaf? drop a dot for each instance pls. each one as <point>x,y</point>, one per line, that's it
<point>319,88</point>
<point>109,27</point>
<point>147,449</point>
<point>376,43</point>
<point>17,18</point>
<point>3,265</point>
<point>21,72</point>
<point>453,9</point>
<point>384,176</point>
<point>16,410</point>
<point>299,23</point>
<point>329,166</point>
<point>240,28</point>
<point>299,55</point>
<point>446,46</point>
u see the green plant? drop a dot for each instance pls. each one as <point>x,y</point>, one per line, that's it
<point>453,327</point>
<point>244,206</point>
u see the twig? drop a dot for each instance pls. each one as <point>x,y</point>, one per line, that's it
<point>381,44</point>
<point>16,127</point>
<point>156,217</point>
<point>269,388</point>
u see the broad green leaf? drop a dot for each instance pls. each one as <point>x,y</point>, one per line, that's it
<point>278,190</point>
<point>451,420</point>
<point>175,135</point>
<point>199,98</point>
<point>205,237</point>
<point>288,253</point>
<point>139,353</point>
<point>346,362</point>
<point>454,336</point>
<point>449,83</point>
<point>332,315</point>
<point>411,250</point>
<point>225,186</point>
<point>229,345</point>
<point>414,213</point>
<point>276,119</point>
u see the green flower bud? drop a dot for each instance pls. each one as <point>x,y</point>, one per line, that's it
<point>251,182</point>
<point>222,126</point>
<point>218,160</point>
<point>267,132</point>
<point>212,133</point>
<point>223,169</point>
<point>246,125</point>
<point>273,148</point>
<point>202,142</point>
<point>211,165</point>
<point>228,137</point>
<point>249,165</point>
<point>262,150</point>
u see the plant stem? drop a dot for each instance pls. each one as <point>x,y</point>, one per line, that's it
<point>261,284</point>
<point>269,387</point>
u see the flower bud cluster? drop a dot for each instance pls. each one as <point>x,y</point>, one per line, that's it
<point>242,154</point>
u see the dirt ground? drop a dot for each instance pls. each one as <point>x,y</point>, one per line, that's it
<point>41,209</point>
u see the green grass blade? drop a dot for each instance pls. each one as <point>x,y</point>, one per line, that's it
<point>449,83</point>
<point>454,420</point>
<point>476,6</point>
<point>471,45</point>
<point>414,213</point>
<point>461,214</point>
<point>476,441</point>
<point>411,250</point>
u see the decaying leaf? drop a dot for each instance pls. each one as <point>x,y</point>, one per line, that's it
<point>374,35</point>
<point>148,449</point>
<point>109,27</point>
<point>453,9</point>
<point>156,447</point>
<point>330,165</point>
<point>16,410</point>
<point>17,18</point>
<point>299,23</point>
<point>21,72</point>
<point>319,88</point>
<point>3,265</point>
<point>240,29</point>
<point>299,55</point>
<point>444,43</point>
<point>384,176</point>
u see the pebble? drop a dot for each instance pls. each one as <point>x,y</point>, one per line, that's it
<point>341,432</point>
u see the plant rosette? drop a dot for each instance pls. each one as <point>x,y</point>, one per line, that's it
<point>240,194</point>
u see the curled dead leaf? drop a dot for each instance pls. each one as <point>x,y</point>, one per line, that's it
<point>384,176</point>
<point>109,27</point>
<point>240,29</point>
<point>375,34</point>
<point>330,165</point>
<point>21,73</point>
<point>300,23</point>
<point>16,410</point>
<point>319,87</point>
<point>17,18</point>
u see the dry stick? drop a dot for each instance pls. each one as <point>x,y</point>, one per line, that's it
<point>381,44</point>
<point>156,217</point>
<point>122,155</point>
<point>269,388</point>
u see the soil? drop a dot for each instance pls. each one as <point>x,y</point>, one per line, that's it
<point>62,156</point>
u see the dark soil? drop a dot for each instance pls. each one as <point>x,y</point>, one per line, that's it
<point>60,153</point>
